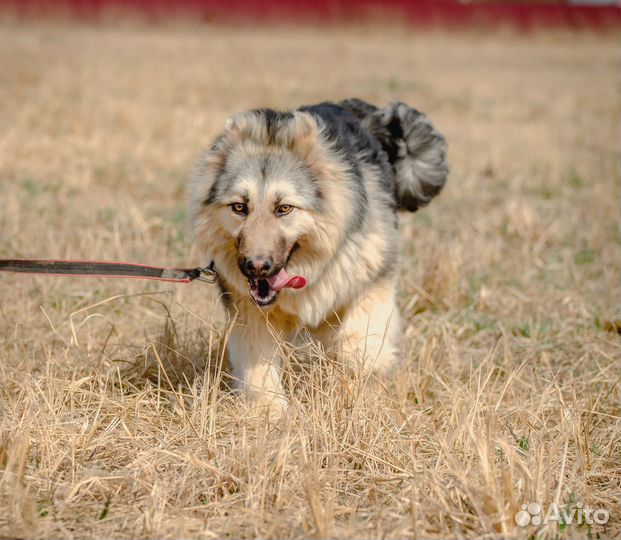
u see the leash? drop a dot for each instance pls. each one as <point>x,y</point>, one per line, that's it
<point>109,269</point>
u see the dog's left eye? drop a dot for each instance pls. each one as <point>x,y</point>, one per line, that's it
<point>283,209</point>
<point>239,208</point>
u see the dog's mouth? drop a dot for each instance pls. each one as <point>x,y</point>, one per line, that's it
<point>264,291</point>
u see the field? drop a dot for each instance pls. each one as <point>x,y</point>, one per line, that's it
<point>116,421</point>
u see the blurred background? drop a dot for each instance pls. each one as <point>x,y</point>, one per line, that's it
<point>523,13</point>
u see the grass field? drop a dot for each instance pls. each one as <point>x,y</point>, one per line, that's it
<point>115,417</point>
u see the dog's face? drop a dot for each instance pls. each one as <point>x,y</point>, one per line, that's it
<point>270,199</point>
<point>266,203</point>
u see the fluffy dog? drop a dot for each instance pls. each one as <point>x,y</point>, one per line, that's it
<point>298,210</point>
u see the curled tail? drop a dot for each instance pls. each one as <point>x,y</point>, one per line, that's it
<point>415,149</point>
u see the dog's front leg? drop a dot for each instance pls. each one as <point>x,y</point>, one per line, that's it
<point>255,359</point>
<point>370,331</point>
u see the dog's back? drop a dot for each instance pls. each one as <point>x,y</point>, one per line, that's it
<point>400,140</point>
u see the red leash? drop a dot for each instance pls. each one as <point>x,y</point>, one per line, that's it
<point>108,269</point>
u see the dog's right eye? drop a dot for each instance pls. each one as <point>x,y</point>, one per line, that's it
<point>239,208</point>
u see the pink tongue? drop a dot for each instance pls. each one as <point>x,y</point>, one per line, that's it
<point>283,281</point>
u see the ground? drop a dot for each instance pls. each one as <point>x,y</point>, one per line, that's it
<point>115,417</point>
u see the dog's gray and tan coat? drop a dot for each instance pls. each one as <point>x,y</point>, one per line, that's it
<point>314,191</point>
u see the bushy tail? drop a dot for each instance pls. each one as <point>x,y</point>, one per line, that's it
<point>416,150</point>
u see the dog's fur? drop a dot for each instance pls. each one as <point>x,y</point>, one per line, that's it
<point>345,169</point>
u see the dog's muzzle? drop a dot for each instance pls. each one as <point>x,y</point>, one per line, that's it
<point>266,280</point>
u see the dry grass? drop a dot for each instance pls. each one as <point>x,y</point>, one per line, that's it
<point>116,422</point>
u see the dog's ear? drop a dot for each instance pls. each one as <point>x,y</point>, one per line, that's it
<point>299,134</point>
<point>245,125</point>
<point>205,175</point>
<point>241,126</point>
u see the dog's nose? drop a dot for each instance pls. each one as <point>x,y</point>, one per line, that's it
<point>258,266</point>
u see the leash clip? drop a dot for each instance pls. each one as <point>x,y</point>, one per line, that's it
<point>208,274</point>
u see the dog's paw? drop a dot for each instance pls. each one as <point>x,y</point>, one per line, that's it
<point>264,404</point>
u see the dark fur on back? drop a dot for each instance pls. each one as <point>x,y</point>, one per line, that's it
<point>355,142</point>
<point>399,140</point>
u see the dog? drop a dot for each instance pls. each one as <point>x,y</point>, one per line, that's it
<point>298,212</point>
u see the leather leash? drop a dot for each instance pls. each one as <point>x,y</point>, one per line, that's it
<point>108,269</point>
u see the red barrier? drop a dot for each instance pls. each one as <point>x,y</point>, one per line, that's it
<point>417,12</point>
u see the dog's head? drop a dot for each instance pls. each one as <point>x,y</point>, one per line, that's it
<point>258,206</point>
